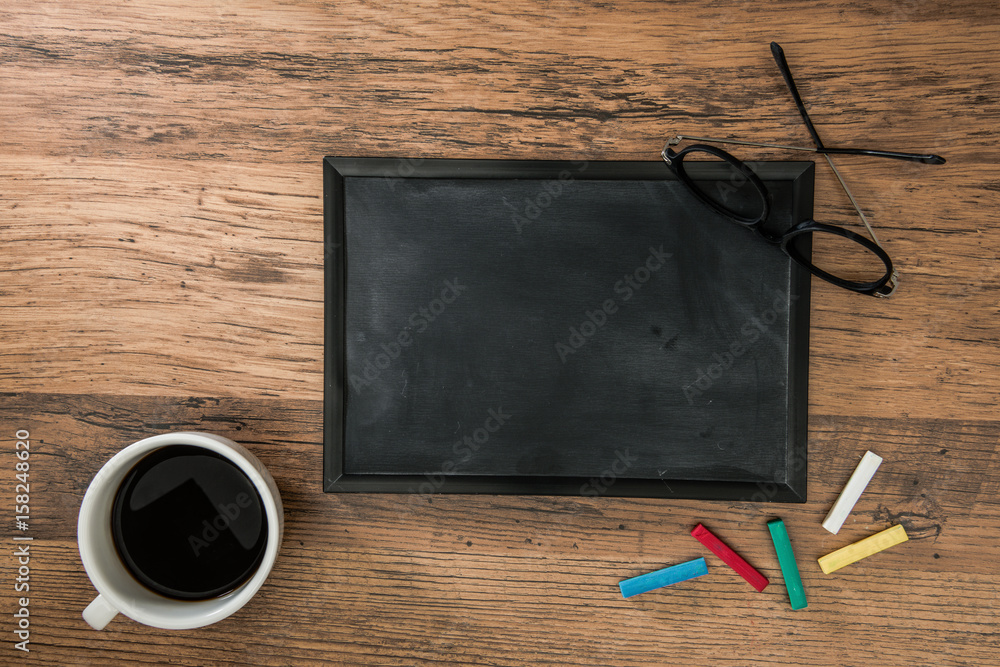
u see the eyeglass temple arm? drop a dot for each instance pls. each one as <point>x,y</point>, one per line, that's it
<point>926,158</point>
<point>779,58</point>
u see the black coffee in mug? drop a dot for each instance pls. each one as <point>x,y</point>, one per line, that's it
<point>188,523</point>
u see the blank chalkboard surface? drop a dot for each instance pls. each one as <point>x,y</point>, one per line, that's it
<point>560,328</point>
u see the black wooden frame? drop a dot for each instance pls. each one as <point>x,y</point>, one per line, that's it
<point>336,479</point>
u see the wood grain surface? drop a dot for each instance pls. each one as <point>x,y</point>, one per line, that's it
<point>161,268</point>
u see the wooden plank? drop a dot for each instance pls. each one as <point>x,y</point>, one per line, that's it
<point>176,268</point>
<point>403,577</point>
<point>133,301</point>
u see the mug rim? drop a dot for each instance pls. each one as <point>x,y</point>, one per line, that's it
<point>199,612</point>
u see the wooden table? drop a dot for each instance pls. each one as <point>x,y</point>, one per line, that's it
<point>161,249</point>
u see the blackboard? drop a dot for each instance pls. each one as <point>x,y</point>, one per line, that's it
<point>560,328</point>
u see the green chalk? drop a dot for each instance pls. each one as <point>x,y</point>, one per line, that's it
<point>786,559</point>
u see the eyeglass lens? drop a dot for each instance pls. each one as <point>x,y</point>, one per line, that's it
<point>727,189</point>
<point>842,257</point>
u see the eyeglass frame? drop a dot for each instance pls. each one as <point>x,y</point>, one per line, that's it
<point>885,286</point>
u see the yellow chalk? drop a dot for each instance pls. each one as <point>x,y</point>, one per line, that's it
<point>863,549</point>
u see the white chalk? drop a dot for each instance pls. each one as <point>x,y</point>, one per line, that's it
<point>849,496</point>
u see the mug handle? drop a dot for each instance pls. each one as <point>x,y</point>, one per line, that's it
<point>99,613</point>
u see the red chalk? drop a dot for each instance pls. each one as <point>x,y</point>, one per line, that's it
<point>730,557</point>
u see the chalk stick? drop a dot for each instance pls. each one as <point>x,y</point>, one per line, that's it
<point>669,575</point>
<point>852,491</point>
<point>863,549</point>
<point>730,557</point>
<point>786,559</point>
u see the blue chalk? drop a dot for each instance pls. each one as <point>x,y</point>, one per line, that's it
<point>668,575</point>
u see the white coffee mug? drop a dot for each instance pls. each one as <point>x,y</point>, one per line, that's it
<point>118,591</point>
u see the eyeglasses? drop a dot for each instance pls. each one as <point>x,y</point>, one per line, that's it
<point>846,259</point>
